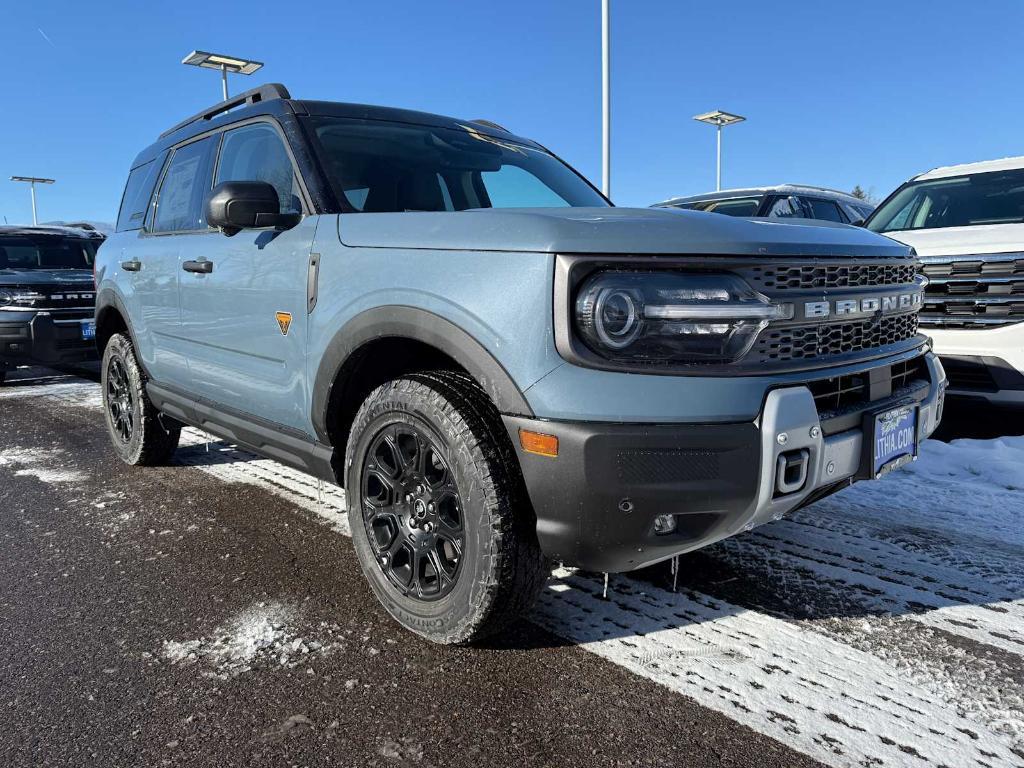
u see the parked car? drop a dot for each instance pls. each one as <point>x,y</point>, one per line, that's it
<point>502,369</point>
<point>47,296</point>
<point>967,224</point>
<point>788,201</point>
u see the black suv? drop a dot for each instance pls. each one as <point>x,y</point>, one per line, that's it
<point>47,295</point>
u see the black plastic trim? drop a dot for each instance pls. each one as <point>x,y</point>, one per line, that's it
<point>418,325</point>
<point>289,446</point>
<point>596,501</point>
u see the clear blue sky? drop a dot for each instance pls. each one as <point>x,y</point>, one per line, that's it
<point>836,94</point>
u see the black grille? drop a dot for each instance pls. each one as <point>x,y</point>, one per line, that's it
<point>804,343</point>
<point>809,276</point>
<point>840,399</point>
<point>974,292</point>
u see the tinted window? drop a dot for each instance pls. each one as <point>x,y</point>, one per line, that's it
<point>962,201</point>
<point>514,187</point>
<point>179,204</point>
<point>824,209</point>
<point>739,206</point>
<point>257,153</point>
<point>137,193</point>
<point>787,208</point>
<point>46,252</point>
<point>380,166</point>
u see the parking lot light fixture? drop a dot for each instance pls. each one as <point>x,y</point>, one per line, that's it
<point>222,63</point>
<point>32,181</point>
<point>719,119</point>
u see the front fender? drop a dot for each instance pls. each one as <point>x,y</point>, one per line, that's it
<point>419,325</point>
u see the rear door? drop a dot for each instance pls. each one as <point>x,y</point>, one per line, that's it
<point>245,319</point>
<point>175,214</point>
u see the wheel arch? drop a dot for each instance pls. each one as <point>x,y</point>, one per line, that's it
<point>348,365</point>
<point>111,318</point>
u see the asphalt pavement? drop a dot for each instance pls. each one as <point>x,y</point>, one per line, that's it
<point>170,617</point>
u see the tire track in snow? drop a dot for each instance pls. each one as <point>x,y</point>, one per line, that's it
<point>831,693</point>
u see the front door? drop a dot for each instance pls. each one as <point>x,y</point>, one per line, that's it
<point>244,314</point>
<point>153,261</point>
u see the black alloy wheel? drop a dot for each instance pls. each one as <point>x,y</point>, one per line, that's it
<point>120,401</point>
<point>412,512</point>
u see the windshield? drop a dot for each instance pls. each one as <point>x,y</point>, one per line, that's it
<point>961,201</point>
<point>382,167</point>
<point>46,252</point>
<point>733,206</point>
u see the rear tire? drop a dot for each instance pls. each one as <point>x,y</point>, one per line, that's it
<point>138,436</point>
<point>438,510</point>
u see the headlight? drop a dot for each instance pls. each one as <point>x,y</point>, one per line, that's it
<point>6,297</point>
<point>672,317</point>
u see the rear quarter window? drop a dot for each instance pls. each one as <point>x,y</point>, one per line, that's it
<point>137,193</point>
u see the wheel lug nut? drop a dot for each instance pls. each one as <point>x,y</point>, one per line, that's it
<point>383,559</point>
<point>419,489</point>
<point>412,522</point>
<point>430,507</point>
<point>408,498</point>
<point>428,527</point>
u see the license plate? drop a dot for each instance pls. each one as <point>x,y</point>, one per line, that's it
<point>88,329</point>
<point>895,439</point>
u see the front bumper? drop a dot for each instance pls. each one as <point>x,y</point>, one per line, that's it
<point>596,502</point>
<point>43,338</point>
<point>985,364</point>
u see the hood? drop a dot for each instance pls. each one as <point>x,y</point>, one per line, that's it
<point>956,241</point>
<point>80,278</point>
<point>610,231</point>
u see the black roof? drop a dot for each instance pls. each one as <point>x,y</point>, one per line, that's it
<point>274,99</point>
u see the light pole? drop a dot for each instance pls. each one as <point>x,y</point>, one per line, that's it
<point>606,102</point>
<point>719,119</point>
<point>223,63</point>
<point>32,181</point>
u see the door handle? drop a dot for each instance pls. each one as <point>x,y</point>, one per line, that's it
<point>131,266</point>
<point>201,267</point>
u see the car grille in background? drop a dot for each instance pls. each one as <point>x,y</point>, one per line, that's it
<point>974,291</point>
<point>964,373</point>
<point>852,275</point>
<point>807,342</point>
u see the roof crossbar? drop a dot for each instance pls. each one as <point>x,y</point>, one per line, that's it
<point>267,92</point>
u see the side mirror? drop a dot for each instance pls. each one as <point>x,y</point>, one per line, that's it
<point>236,205</point>
<point>857,223</point>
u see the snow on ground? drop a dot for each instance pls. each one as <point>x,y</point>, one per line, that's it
<point>264,632</point>
<point>880,626</point>
<point>47,466</point>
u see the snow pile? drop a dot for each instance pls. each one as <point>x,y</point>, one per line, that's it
<point>265,632</point>
<point>39,464</point>
<point>998,464</point>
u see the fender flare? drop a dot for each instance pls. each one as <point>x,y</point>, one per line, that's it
<point>108,298</point>
<point>418,325</point>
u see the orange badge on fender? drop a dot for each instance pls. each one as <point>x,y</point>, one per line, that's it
<point>284,319</point>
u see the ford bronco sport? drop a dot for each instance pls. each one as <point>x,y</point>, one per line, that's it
<point>502,369</point>
<point>46,295</point>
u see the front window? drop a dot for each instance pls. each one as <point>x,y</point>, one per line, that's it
<point>46,252</point>
<point>960,201</point>
<point>383,167</point>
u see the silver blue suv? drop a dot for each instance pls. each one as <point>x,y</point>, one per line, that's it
<point>502,369</point>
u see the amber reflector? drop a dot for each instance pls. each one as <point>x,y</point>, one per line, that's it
<point>535,442</point>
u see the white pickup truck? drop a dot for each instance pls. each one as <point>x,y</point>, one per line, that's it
<point>966,223</point>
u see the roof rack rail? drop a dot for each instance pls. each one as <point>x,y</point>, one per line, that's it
<point>267,92</point>
<point>491,124</point>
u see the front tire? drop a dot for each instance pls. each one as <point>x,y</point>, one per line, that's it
<point>138,436</point>
<point>438,511</point>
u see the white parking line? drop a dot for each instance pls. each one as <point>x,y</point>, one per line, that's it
<point>891,631</point>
